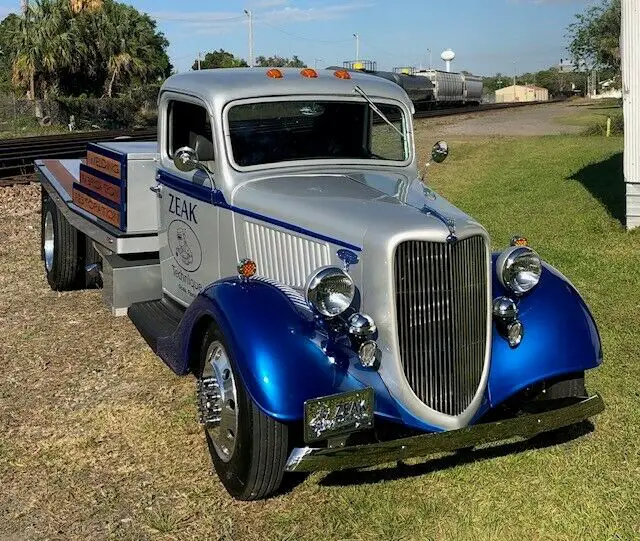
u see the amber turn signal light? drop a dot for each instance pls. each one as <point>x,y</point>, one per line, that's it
<point>309,72</point>
<point>247,269</point>
<point>519,241</point>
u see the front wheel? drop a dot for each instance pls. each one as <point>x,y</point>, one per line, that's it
<point>248,449</point>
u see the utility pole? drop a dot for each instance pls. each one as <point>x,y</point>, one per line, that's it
<point>199,66</point>
<point>357,46</point>
<point>430,59</point>
<point>250,15</point>
<point>315,62</point>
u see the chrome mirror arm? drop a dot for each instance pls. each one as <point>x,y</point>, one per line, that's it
<point>186,160</point>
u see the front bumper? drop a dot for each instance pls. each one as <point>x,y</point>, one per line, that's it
<point>307,459</point>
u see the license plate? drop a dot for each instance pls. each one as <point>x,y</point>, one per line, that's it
<point>338,414</point>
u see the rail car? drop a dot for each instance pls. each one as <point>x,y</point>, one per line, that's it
<point>420,91</point>
<point>454,88</point>
<point>427,89</point>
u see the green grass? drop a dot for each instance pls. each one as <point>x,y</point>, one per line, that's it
<point>563,194</point>
<point>588,113</point>
<point>27,126</point>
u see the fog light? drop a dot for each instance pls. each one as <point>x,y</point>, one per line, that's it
<point>368,354</point>
<point>361,325</point>
<point>505,308</point>
<point>515,332</point>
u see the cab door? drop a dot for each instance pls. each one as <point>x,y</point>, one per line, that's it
<point>188,232</point>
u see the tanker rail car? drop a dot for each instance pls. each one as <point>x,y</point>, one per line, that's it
<point>421,91</point>
<point>454,88</point>
<point>427,89</point>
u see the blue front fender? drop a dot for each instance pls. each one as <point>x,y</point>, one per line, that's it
<point>560,337</point>
<point>277,348</point>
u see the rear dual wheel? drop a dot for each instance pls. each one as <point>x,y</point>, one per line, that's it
<point>248,448</point>
<point>65,251</point>
<point>59,248</point>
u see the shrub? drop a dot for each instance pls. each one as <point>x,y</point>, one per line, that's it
<point>600,127</point>
<point>135,109</point>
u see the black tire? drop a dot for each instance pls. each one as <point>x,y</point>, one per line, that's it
<point>255,468</point>
<point>59,244</point>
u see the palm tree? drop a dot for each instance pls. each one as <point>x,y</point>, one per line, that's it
<point>47,45</point>
<point>124,43</point>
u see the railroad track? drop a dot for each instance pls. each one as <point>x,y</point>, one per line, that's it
<point>485,107</point>
<point>17,155</point>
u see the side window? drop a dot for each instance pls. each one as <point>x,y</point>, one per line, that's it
<point>190,126</point>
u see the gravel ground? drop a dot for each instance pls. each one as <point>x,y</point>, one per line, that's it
<point>534,120</point>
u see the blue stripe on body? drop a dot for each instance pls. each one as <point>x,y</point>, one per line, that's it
<point>216,198</point>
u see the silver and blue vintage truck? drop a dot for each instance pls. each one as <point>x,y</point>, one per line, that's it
<point>278,244</point>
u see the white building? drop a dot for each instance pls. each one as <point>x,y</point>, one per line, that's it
<point>630,47</point>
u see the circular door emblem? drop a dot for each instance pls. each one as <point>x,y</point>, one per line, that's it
<point>184,246</point>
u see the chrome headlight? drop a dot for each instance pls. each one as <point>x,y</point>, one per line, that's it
<point>330,291</point>
<point>519,269</point>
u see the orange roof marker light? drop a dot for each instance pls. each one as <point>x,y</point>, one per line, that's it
<point>342,74</point>
<point>274,73</point>
<point>309,72</point>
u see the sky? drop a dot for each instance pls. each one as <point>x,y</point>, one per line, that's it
<point>488,36</point>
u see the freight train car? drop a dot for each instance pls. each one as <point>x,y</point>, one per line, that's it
<point>473,86</point>
<point>452,89</point>
<point>427,89</point>
<point>420,90</point>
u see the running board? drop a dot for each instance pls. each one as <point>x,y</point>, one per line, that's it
<point>156,319</point>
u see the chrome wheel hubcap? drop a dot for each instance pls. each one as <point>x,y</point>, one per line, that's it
<point>49,238</point>
<point>218,401</point>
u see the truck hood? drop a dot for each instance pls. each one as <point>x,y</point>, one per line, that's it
<point>344,206</point>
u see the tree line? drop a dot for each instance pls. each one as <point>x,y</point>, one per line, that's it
<point>225,59</point>
<point>594,45</point>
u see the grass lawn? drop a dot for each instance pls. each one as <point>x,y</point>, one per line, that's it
<point>28,127</point>
<point>98,440</point>
<point>589,112</point>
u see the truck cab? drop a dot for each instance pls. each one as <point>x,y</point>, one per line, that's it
<point>278,243</point>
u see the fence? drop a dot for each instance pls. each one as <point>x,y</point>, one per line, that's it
<point>137,109</point>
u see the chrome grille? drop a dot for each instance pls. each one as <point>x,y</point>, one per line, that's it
<point>441,309</point>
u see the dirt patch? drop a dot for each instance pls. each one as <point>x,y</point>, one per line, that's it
<point>530,120</point>
<point>97,438</point>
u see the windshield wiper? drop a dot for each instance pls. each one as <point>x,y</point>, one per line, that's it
<point>375,108</point>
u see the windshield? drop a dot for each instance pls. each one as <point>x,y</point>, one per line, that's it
<point>282,131</point>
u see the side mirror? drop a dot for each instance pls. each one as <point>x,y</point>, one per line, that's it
<point>186,159</point>
<point>440,152</point>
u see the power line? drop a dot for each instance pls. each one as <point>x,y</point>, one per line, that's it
<point>302,37</point>
<point>193,18</point>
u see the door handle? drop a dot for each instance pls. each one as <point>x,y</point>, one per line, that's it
<point>157,189</point>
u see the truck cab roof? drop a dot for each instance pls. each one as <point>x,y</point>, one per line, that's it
<point>220,86</point>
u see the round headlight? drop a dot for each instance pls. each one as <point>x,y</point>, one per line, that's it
<point>519,269</point>
<point>330,291</point>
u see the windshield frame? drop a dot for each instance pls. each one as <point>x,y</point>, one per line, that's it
<point>406,122</point>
